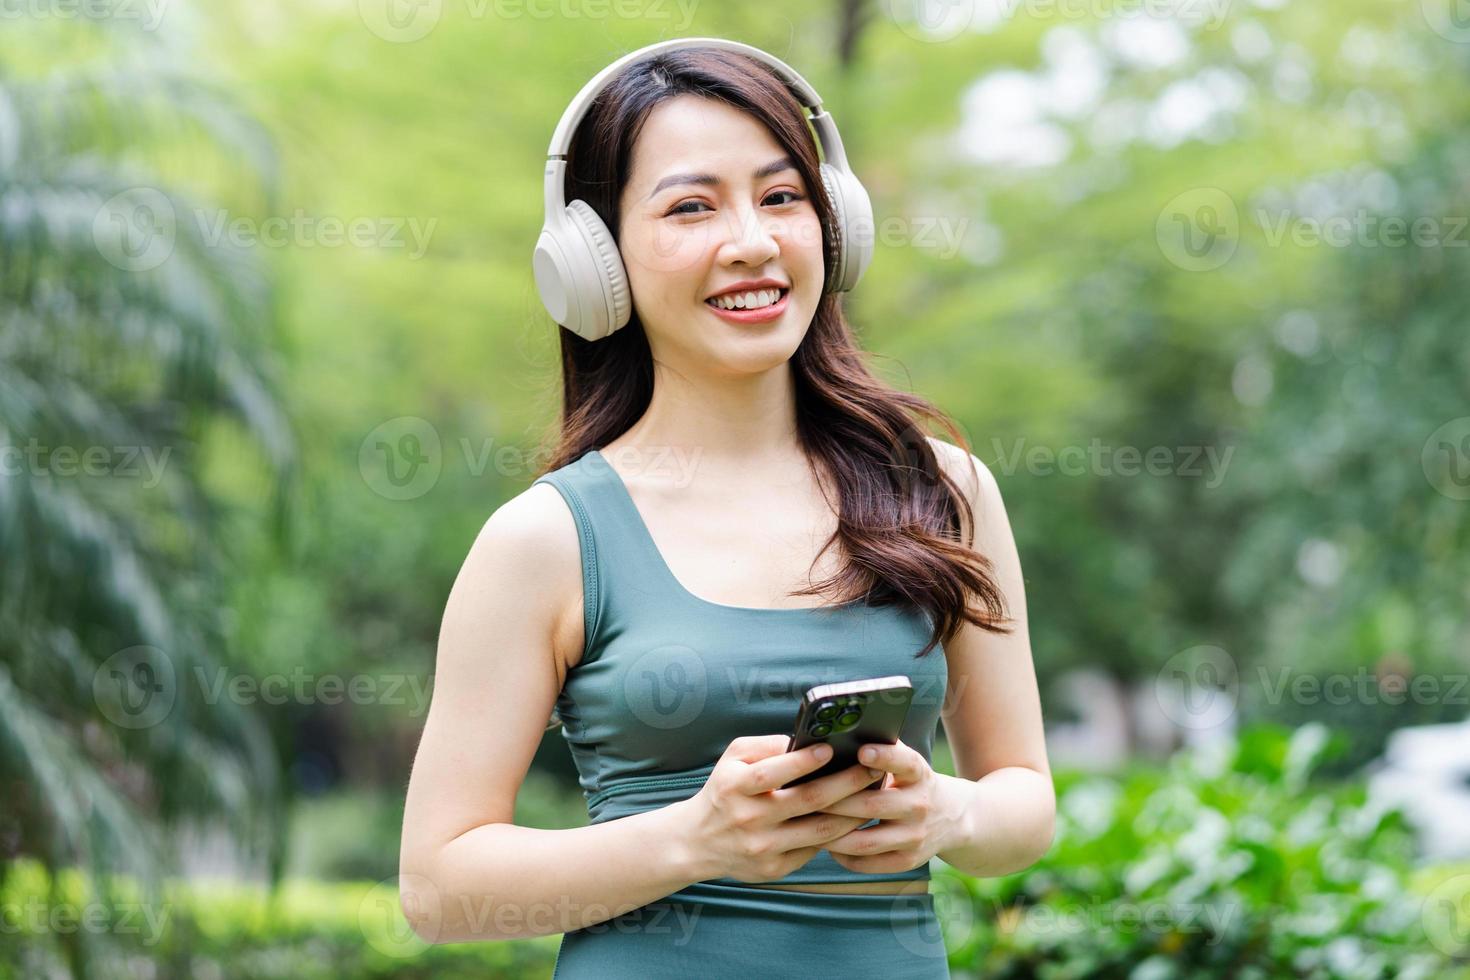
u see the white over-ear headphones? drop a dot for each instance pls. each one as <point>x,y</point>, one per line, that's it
<point>579,272</point>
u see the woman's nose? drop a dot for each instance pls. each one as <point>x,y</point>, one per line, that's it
<point>747,236</point>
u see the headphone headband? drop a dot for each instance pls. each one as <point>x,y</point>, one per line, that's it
<point>561,139</point>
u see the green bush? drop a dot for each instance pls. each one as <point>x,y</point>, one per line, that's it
<point>232,931</point>
<point>1227,863</point>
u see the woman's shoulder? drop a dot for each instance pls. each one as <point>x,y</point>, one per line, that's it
<point>536,523</point>
<point>529,545</point>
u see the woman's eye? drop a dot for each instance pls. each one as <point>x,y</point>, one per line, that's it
<point>794,196</point>
<point>683,206</point>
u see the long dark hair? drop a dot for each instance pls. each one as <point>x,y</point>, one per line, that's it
<point>898,512</point>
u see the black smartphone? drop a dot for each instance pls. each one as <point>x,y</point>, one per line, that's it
<point>848,716</point>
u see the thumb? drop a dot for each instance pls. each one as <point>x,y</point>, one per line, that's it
<point>753,748</point>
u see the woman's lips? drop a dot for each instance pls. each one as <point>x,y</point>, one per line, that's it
<point>759,315</point>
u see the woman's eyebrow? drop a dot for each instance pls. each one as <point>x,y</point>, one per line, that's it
<point>774,167</point>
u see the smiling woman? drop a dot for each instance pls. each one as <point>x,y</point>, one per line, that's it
<point>675,624</point>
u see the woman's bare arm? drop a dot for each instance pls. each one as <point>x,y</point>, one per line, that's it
<point>467,872</point>
<point>992,712</point>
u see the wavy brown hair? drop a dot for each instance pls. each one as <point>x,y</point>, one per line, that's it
<point>899,522</point>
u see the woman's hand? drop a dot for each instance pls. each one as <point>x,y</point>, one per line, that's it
<point>921,813</point>
<point>744,825</point>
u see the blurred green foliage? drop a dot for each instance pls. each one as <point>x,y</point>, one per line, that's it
<point>131,346</point>
<point>1232,861</point>
<point>304,930</point>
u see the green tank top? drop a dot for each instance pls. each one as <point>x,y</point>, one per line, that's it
<point>668,679</point>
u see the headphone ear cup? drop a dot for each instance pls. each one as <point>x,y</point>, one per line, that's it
<point>604,292</point>
<point>854,243</point>
<point>554,276</point>
<point>839,233</point>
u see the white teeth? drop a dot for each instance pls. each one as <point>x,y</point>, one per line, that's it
<point>746,301</point>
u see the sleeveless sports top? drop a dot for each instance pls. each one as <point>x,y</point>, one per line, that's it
<point>668,679</point>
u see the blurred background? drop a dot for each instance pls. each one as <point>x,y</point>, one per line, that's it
<point>1191,275</point>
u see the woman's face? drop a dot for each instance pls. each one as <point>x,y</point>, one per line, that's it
<point>683,241</point>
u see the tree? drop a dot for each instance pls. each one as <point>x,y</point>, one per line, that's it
<point>129,345</point>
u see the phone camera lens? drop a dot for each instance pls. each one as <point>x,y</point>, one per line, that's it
<point>826,710</point>
<point>848,718</point>
<point>820,729</point>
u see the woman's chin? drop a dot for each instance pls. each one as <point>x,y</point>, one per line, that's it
<point>751,351</point>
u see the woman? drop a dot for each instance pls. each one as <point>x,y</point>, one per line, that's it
<point>721,442</point>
